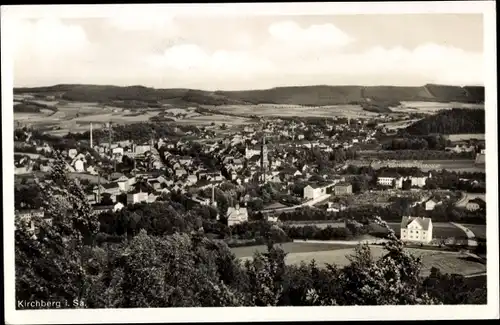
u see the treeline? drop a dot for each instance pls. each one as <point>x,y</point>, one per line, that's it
<point>454,121</point>
<point>426,142</point>
<point>63,260</point>
<point>139,132</point>
<point>351,230</point>
<point>362,214</point>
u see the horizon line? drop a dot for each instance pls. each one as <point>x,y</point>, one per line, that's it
<point>250,89</point>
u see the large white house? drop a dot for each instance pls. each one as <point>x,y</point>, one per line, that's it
<point>416,229</point>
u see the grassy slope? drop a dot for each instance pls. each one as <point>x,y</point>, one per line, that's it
<point>307,95</point>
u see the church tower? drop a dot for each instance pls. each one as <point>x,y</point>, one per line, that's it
<point>264,161</point>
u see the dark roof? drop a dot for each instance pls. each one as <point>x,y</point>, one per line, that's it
<point>110,185</point>
<point>478,201</point>
<point>386,173</point>
<point>343,184</point>
<point>102,207</point>
<point>424,222</point>
<point>254,158</point>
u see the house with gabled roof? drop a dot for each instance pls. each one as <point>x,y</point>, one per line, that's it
<point>431,204</point>
<point>416,229</point>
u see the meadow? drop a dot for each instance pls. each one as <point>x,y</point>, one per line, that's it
<point>478,230</point>
<point>276,110</point>
<point>462,165</point>
<point>290,247</point>
<point>447,262</point>
<point>431,107</point>
<point>218,119</point>
<point>463,137</point>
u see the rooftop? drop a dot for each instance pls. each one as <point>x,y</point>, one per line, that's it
<point>424,222</point>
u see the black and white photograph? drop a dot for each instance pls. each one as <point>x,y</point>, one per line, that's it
<point>339,157</point>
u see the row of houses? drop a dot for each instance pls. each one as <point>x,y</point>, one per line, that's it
<point>395,180</point>
<point>338,187</point>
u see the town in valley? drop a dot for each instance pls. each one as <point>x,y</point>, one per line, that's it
<point>306,195</point>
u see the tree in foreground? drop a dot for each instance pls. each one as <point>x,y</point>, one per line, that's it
<point>50,264</point>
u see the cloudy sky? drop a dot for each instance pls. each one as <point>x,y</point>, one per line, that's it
<point>242,52</point>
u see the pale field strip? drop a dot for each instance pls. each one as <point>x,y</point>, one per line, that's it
<point>447,262</point>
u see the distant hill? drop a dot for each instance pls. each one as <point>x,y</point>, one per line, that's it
<point>454,121</point>
<point>302,95</point>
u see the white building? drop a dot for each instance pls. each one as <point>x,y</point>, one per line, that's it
<point>118,206</point>
<point>117,151</point>
<point>249,153</point>
<point>431,204</point>
<point>137,197</point>
<point>416,229</point>
<point>72,153</point>
<point>386,180</point>
<point>312,192</point>
<point>79,166</point>
<point>236,215</point>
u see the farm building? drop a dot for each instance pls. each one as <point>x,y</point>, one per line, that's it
<point>343,189</point>
<point>137,197</point>
<point>416,229</point>
<point>431,204</point>
<point>236,215</point>
<point>314,191</point>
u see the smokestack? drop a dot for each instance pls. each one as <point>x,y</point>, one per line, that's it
<point>91,139</point>
<point>109,131</point>
<point>213,194</point>
<point>98,187</point>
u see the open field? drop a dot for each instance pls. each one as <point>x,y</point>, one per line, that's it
<point>77,116</point>
<point>319,224</point>
<point>463,137</point>
<point>478,230</point>
<point>463,165</point>
<point>218,119</point>
<point>291,247</point>
<point>432,107</point>
<point>398,124</point>
<point>447,262</point>
<point>276,110</point>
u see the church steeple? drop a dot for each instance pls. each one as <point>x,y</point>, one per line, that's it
<point>264,162</point>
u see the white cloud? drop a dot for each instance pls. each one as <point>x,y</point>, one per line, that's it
<point>291,33</point>
<point>434,62</point>
<point>128,19</point>
<point>47,39</point>
<point>50,51</point>
<point>191,57</point>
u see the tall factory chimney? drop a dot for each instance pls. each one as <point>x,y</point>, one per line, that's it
<point>109,133</point>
